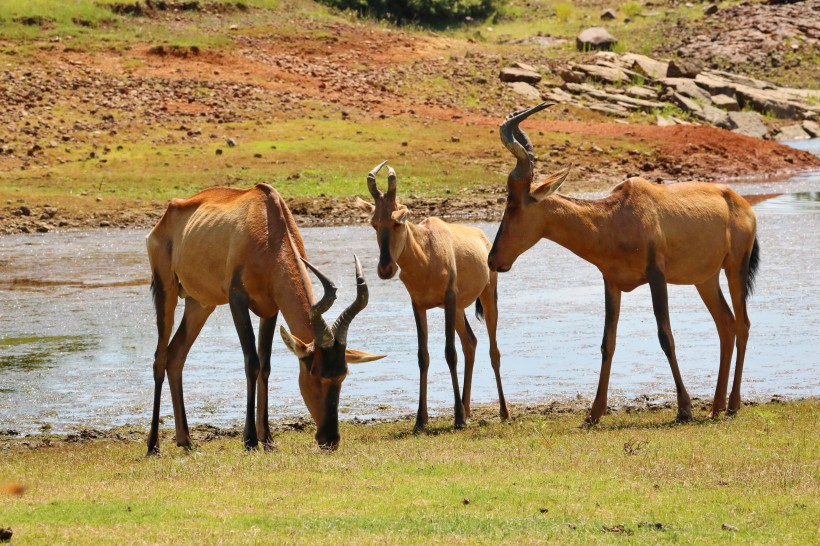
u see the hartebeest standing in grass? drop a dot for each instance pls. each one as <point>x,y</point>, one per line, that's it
<point>641,233</point>
<point>442,265</point>
<point>242,247</point>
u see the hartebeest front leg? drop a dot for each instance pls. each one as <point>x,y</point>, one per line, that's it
<point>450,354</point>
<point>490,304</point>
<point>468,345</point>
<point>712,297</point>
<point>424,364</point>
<point>660,304</point>
<point>238,300</point>
<point>267,328</point>
<point>612,306</point>
<point>165,302</point>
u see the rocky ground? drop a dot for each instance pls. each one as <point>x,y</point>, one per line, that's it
<point>73,108</point>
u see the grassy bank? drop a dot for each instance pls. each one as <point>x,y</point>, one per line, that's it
<point>637,477</point>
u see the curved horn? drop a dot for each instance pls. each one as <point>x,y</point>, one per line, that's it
<point>371,180</point>
<point>343,322</point>
<point>509,130</point>
<point>391,183</point>
<point>321,333</point>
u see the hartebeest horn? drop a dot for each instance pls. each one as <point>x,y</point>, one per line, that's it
<point>343,322</point>
<point>517,142</point>
<point>371,180</point>
<point>391,183</point>
<point>323,337</point>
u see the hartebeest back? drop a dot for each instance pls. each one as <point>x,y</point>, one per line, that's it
<point>641,233</point>
<point>242,247</point>
<point>442,265</point>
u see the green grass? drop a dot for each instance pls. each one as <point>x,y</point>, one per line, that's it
<point>540,478</point>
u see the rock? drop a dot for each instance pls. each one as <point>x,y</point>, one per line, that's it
<point>714,116</point>
<point>665,122</point>
<point>25,211</point>
<point>646,66</point>
<point>687,88</point>
<point>525,90</point>
<point>519,75</point>
<point>812,128</point>
<point>748,123</point>
<point>610,110</point>
<point>570,76</point>
<point>771,101</point>
<point>607,74</point>
<point>727,527</point>
<point>640,92</point>
<point>682,68</point>
<point>524,66</point>
<point>725,102</point>
<point>711,9</point>
<point>685,103</point>
<point>609,15</point>
<point>6,534</point>
<point>792,132</point>
<point>595,38</point>
<point>105,223</point>
<point>231,142</point>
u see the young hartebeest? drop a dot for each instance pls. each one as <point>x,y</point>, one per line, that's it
<point>442,265</point>
<point>242,247</point>
<point>641,233</point>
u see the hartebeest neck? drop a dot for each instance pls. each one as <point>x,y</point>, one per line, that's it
<point>294,291</point>
<point>579,225</point>
<point>413,259</point>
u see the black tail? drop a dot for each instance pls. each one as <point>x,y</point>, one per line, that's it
<point>479,311</point>
<point>754,262</point>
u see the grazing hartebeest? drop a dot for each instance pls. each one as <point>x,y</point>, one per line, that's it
<point>442,265</point>
<point>242,247</point>
<point>641,233</point>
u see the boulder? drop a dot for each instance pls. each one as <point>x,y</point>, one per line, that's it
<point>812,128</point>
<point>595,38</point>
<point>682,68</point>
<point>687,88</point>
<point>792,132</point>
<point>646,66</point>
<point>771,101</point>
<point>687,104</point>
<point>748,123</point>
<point>725,102</point>
<point>714,116</point>
<point>525,90</point>
<point>640,92</point>
<point>606,74</point>
<point>571,76</point>
<point>519,75</point>
<point>714,84</point>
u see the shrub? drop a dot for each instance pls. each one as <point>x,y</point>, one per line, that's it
<point>426,12</point>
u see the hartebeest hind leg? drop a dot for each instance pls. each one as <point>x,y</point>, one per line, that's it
<point>489,302</point>
<point>165,291</point>
<point>612,305</point>
<point>189,328</point>
<point>424,364</point>
<point>738,288</point>
<point>468,346</point>
<point>238,300</point>
<point>267,328</point>
<point>660,304</point>
<point>450,354</point>
<point>713,298</point>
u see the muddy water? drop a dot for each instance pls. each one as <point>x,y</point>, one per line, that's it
<point>77,330</point>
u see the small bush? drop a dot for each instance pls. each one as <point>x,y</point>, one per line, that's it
<point>563,10</point>
<point>426,12</point>
<point>631,9</point>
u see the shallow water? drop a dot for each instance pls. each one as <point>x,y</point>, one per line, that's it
<point>77,330</point>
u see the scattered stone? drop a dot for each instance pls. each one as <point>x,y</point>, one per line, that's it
<point>524,66</point>
<point>570,76</point>
<point>687,104</point>
<point>653,525</point>
<point>609,15</point>
<point>525,90</point>
<point>648,166</point>
<point>711,9</point>
<point>597,38</point>
<point>219,151</point>
<point>639,92</point>
<point>727,527</point>
<point>646,66</point>
<point>792,132</point>
<point>519,75</point>
<point>725,102</point>
<point>748,123</point>
<point>665,122</point>
<point>607,74</point>
<point>6,534</point>
<point>682,68</point>
<point>231,142</point>
<point>105,223</point>
<point>466,501</point>
<point>543,510</point>
<point>687,88</point>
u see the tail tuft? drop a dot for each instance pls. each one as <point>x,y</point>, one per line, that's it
<point>479,310</point>
<point>754,263</point>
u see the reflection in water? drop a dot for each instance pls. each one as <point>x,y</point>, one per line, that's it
<point>79,333</point>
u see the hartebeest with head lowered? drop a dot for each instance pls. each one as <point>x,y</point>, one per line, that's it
<point>641,233</point>
<point>242,247</point>
<point>442,265</point>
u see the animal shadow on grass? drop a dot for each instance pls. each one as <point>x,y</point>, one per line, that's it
<point>655,424</point>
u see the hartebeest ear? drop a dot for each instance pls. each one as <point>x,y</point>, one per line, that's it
<point>364,205</point>
<point>352,356</point>
<point>296,345</point>
<point>400,214</point>
<point>551,184</point>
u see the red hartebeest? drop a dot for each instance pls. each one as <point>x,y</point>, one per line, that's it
<point>641,233</point>
<point>242,247</point>
<point>442,265</point>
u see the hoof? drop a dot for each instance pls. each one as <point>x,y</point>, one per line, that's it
<point>460,425</point>
<point>153,452</point>
<point>684,416</point>
<point>419,427</point>
<point>504,413</point>
<point>592,420</point>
